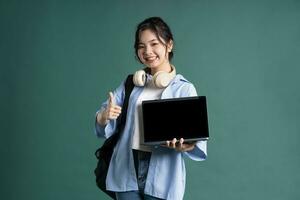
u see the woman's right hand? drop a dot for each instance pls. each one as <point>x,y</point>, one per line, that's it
<point>112,111</point>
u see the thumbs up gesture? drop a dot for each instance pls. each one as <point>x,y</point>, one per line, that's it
<point>112,111</point>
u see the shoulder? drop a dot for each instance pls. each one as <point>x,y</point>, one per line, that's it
<point>179,78</point>
<point>182,85</point>
<point>181,81</point>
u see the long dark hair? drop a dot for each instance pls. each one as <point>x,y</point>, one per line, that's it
<point>159,28</point>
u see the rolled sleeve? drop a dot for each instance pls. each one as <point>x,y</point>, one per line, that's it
<point>104,131</point>
<point>199,153</point>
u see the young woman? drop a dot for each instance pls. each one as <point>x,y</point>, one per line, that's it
<point>137,171</point>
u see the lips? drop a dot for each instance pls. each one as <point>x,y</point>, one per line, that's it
<point>151,59</point>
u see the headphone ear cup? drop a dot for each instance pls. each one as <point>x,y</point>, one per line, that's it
<point>139,78</point>
<point>161,79</point>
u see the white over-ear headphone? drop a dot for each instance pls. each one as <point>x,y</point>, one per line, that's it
<point>161,79</point>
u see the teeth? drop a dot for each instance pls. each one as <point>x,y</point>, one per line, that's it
<point>150,58</point>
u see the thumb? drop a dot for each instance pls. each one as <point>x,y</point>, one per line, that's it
<point>111,98</point>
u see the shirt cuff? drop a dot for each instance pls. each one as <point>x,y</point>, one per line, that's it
<point>104,131</point>
<point>199,153</point>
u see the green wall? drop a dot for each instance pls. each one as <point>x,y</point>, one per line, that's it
<point>60,58</point>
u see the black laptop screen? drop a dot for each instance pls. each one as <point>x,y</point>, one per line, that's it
<point>166,119</point>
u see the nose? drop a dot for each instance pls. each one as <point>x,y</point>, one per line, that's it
<point>148,50</point>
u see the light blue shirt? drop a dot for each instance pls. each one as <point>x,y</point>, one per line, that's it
<point>166,174</point>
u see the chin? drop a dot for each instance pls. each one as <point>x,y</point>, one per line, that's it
<point>152,66</point>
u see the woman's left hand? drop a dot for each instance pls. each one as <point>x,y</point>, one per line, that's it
<point>179,145</point>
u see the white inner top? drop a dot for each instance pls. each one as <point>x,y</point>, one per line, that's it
<point>150,92</point>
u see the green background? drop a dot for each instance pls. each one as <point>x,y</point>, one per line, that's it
<point>59,59</point>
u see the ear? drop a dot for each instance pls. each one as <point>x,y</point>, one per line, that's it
<point>170,46</point>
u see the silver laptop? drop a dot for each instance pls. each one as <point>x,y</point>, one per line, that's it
<point>165,119</point>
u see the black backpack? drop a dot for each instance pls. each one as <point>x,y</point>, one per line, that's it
<point>105,152</point>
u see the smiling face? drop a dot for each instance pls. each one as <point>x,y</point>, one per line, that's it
<point>153,53</point>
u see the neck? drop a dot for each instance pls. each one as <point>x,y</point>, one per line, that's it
<point>164,67</point>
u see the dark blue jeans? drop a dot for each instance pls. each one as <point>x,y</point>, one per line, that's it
<point>141,163</point>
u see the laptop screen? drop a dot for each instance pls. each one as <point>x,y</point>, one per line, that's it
<point>165,119</point>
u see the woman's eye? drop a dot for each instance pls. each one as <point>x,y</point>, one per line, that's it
<point>140,47</point>
<point>154,44</point>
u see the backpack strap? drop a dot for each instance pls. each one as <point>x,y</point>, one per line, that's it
<point>129,85</point>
